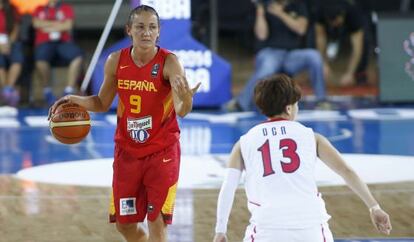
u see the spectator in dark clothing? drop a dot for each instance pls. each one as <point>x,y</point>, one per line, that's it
<point>339,21</point>
<point>53,25</point>
<point>11,54</point>
<point>280,27</point>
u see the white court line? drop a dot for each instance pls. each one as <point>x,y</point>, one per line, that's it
<point>9,122</point>
<point>205,171</point>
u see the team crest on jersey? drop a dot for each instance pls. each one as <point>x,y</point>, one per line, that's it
<point>138,128</point>
<point>155,69</point>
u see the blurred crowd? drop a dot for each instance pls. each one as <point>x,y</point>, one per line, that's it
<point>295,36</point>
<point>289,36</point>
<point>36,35</point>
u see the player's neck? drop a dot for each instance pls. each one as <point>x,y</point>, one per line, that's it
<point>280,117</point>
<point>143,56</point>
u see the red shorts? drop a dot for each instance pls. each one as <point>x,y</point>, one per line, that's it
<point>144,186</point>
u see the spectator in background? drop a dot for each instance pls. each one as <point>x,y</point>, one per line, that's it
<point>11,53</point>
<point>280,27</point>
<point>53,25</point>
<point>339,21</point>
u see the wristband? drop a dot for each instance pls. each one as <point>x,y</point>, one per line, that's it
<point>226,198</point>
<point>375,207</point>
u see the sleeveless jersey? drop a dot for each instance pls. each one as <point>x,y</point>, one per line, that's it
<point>280,158</point>
<point>146,119</point>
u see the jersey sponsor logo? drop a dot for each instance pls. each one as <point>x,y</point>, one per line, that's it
<point>138,128</point>
<point>127,206</point>
<point>123,67</point>
<point>154,70</point>
<point>166,160</point>
<point>72,116</point>
<point>137,85</point>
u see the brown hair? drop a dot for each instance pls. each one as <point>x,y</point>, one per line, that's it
<point>274,93</point>
<point>138,10</point>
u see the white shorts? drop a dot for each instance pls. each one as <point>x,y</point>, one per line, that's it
<point>319,233</point>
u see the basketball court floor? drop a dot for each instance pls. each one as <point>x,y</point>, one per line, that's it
<point>55,192</point>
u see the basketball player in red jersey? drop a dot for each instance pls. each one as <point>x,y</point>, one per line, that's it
<point>279,158</point>
<point>152,89</point>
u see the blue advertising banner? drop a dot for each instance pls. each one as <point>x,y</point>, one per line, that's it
<point>200,63</point>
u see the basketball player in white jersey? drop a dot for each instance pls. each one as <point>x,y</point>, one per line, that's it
<point>279,158</point>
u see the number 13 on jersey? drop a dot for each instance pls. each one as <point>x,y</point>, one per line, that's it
<point>288,147</point>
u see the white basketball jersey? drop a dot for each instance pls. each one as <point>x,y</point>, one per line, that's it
<point>280,158</point>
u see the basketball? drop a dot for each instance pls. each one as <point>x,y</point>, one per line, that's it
<point>70,123</point>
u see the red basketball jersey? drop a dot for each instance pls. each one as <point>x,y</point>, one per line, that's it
<point>145,115</point>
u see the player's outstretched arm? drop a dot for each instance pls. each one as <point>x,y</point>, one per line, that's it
<point>227,191</point>
<point>332,158</point>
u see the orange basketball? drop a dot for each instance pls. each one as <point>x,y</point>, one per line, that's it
<point>70,123</point>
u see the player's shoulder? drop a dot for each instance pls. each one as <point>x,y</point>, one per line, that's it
<point>298,125</point>
<point>168,55</point>
<point>114,56</point>
<point>164,51</point>
<point>171,60</point>
<point>112,61</point>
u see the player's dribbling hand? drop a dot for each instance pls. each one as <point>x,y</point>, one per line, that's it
<point>53,108</point>
<point>220,237</point>
<point>381,221</point>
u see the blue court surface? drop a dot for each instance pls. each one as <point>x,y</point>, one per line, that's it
<point>25,135</point>
<point>374,140</point>
<point>378,132</point>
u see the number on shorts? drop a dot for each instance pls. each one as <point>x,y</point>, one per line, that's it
<point>135,101</point>
<point>288,147</point>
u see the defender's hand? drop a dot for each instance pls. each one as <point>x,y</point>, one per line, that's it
<point>381,221</point>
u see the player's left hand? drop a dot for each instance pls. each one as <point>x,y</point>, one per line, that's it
<point>180,86</point>
<point>381,221</point>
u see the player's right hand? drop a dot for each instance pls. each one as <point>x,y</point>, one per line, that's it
<point>381,221</point>
<point>220,237</point>
<point>59,102</point>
